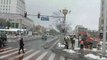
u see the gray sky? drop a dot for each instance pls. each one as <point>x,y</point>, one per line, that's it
<point>83,12</point>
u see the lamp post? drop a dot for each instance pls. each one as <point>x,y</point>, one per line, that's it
<point>65,12</point>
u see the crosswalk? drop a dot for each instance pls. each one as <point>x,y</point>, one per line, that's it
<point>12,54</point>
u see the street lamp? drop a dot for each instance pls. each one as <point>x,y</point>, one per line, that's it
<point>65,12</point>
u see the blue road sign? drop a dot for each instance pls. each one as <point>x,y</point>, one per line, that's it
<point>45,18</point>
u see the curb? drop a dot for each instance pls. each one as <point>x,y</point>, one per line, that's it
<point>74,56</point>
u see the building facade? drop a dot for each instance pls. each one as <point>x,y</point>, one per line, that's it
<point>12,6</point>
<point>13,11</point>
<point>17,21</point>
<point>93,33</point>
<point>102,16</point>
<point>80,28</point>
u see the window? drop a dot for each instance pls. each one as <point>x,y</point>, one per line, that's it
<point>17,25</point>
<point>9,1</point>
<point>102,2</point>
<point>102,8</point>
<point>6,9</point>
<point>102,14</point>
<point>4,1</point>
<point>102,28</point>
<point>1,1</point>
<point>102,21</point>
<point>12,25</point>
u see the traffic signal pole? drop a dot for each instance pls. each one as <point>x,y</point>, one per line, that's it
<point>46,15</point>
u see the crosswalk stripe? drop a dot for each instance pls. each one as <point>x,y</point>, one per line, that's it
<point>4,56</point>
<point>62,58</point>
<point>6,48</point>
<point>42,56</point>
<point>52,56</point>
<point>23,54</point>
<point>8,51</point>
<point>28,57</point>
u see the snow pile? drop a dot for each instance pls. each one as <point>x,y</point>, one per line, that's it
<point>92,56</point>
<point>60,45</point>
<point>69,50</point>
<point>94,49</point>
<point>77,48</point>
<point>103,58</point>
<point>95,57</point>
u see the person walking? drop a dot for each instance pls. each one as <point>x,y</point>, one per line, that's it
<point>72,41</point>
<point>21,45</point>
<point>81,44</point>
<point>81,48</point>
<point>66,43</point>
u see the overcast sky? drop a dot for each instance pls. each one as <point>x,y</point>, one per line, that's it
<point>83,12</point>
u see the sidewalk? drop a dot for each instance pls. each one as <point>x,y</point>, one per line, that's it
<point>87,54</point>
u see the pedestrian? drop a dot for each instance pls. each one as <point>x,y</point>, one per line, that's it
<point>81,44</point>
<point>66,43</point>
<point>72,41</point>
<point>21,45</point>
<point>81,49</point>
<point>0,43</point>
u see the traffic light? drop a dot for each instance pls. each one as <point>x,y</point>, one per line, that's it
<point>38,15</point>
<point>25,14</point>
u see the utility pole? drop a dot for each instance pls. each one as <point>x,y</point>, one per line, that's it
<point>104,30</point>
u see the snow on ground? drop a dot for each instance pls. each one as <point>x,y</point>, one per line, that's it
<point>61,45</point>
<point>92,56</point>
<point>94,49</point>
<point>95,57</point>
<point>77,48</point>
<point>69,50</point>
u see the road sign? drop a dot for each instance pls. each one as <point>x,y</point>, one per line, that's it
<point>45,18</point>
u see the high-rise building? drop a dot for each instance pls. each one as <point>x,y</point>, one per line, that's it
<point>12,6</point>
<point>101,19</point>
<point>13,11</point>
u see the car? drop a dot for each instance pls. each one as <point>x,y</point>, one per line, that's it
<point>44,37</point>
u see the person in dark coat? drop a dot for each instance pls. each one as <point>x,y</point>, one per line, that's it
<point>72,41</point>
<point>66,43</point>
<point>21,45</point>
